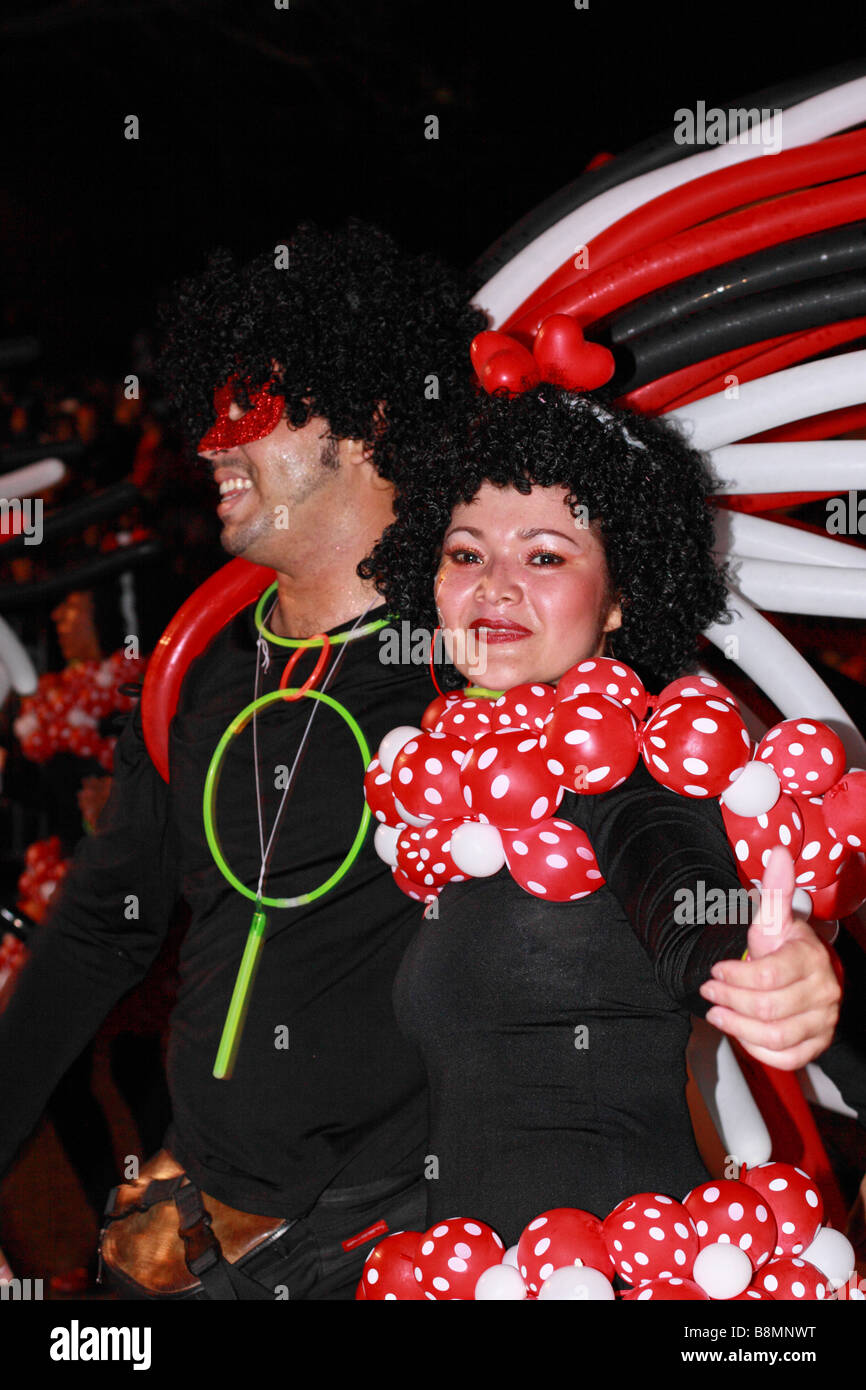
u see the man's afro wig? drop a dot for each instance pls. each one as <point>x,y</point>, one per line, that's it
<point>363,333</point>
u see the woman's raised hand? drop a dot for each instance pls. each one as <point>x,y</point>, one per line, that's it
<point>782,1004</point>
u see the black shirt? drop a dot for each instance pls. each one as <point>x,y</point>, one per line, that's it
<point>344,1101</point>
<point>554,1033</point>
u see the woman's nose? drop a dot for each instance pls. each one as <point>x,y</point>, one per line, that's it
<point>499,583</point>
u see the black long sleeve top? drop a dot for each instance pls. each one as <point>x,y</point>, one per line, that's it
<point>554,1034</point>
<point>325,1089</point>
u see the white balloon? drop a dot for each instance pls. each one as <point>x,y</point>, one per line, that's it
<point>477,849</point>
<point>833,1254</point>
<point>820,1089</point>
<point>803,465</point>
<point>36,477</point>
<point>573,1282</point>
<point>722,1271</point>
<point>811,388</point>
<point>21,670</point>
<point>825,114</point>
<point>510,1257</point>
<point>407,815</point>
<point>801,902</point>
<point>391,744</point>
<point>754,791</point>
<point>732,1108</point>
<point>385,843</point>
<point>500,1284</point>
<point>756,538</point>
<point>782,673</point>
<point>802,588</point>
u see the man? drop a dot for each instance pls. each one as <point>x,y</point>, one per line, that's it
<point>327,355</point>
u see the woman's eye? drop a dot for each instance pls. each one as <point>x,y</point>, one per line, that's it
<point>545,558</point>
<point>462,556</point>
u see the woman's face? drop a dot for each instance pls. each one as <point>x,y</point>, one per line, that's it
<point>522,588</point>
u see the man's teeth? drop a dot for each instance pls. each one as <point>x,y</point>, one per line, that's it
<point>234,485</point>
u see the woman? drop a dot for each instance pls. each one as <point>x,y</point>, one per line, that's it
<point>554,1034</point>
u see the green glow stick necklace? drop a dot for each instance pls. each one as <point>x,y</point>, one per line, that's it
<point>241,994</point>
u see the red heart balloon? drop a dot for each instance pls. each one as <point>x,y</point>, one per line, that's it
<point>513,370</point>
<point>485,344</point>
<point>566,359</point>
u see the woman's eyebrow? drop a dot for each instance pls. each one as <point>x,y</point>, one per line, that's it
<point>527,534</point>
<point>531,533</point>
<point>472,530</point>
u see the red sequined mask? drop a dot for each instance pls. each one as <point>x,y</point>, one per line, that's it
<point>263,416</point>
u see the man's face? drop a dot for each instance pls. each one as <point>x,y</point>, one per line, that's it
<point>277,491</point>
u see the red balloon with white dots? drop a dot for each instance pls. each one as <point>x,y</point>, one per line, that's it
<point>795,1201</point>
<point>602,675</point>
<point>452,1256</point>
<point>590,743</point>
<point>553,860</point>
<point>791,1280</point>
<point>695,745</point>
<point>562,1236</point>
<point>650,1236</point>
<point>425,777</point>
<point>389,1270</point>
<point>806,756</point>
<point>731,1212</point>
<point>502,786</point>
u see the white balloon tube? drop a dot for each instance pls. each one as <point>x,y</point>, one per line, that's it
<point>782,673</point>
<point>799,466</point>
<point>793,394</point>
<point>16,661</point>
<point>826,114</point>
<point>732,1107</point>
<point>822,1090</point>
<point>5,687</point>
<point>786,588</point>
<point>36,477</point>
<point>740,534</point>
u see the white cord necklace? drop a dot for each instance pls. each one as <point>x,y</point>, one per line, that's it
<point>263,661</point>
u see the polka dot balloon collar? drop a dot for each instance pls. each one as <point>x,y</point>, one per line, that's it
<point>477,786</point>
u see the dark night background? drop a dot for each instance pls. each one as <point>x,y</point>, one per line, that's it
<point>252,117</point>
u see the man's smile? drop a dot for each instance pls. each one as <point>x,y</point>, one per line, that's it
<point>232,488</point>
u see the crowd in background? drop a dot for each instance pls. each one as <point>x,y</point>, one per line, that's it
<point>56,746</point>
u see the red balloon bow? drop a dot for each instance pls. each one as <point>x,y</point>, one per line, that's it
<point>560,354</point>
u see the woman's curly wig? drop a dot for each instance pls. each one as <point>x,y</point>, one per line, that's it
<point>373,339</point>
<point>640,482</point>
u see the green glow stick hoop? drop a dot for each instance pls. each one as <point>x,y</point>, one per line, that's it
<point>239,1004</point>
<point>351,633</point>
<point>212,782</point>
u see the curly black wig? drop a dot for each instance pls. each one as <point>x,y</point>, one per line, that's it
<point>354,323</point>
<point>639,481</point>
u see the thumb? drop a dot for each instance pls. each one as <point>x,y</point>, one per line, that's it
<point>774,919</point>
